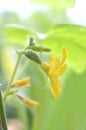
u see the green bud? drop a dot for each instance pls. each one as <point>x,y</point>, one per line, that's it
<point>33,56</point>
<point>40,48</point>
<point>30,41</point>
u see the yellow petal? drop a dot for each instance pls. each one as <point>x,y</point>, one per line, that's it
<point>54,59</point>
<point>61,70</point>
<point>30,103</point>
<point>56,88</point>
<point>64,56</point>
<point>54,64</point>
<point>22,82</point>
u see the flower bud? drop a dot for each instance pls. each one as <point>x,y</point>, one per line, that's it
<point>40,48</point>
<point>30,103</point>
<point>22,82</point>
<point>33,56</point>
<point>30,40</point>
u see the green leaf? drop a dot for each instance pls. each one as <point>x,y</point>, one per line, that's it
<point>56,3</point>
<point>40,21</point>
<point>74,38</point>
<point>16,34</point>
<point>43,20</point>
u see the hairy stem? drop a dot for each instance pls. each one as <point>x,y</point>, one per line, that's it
<point>12,77</point>
<point>2,113</point>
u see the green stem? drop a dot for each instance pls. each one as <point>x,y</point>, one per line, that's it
<point>2,113</point>
<point>13,75</point>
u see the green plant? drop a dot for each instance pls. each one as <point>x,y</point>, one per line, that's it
<point>57,30</point>
<point>53,71</point>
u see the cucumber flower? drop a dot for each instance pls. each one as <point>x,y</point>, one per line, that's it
<point>54,70</point>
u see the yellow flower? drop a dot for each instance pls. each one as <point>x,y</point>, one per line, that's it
<point>22,82</point>
<point>30,103</point>
<point>53,70</point>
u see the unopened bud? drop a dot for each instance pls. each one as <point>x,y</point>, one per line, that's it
<point>40,48</point>
<point>22,82</point>
<point>33,56</point>
<point>30,103</point>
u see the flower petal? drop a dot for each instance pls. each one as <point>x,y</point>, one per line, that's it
<point>54,64</point>
<point>61,70</point>
<point>64,56</point>
<point>56,88</point>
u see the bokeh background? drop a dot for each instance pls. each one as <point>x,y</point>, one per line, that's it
<point>53,23</point>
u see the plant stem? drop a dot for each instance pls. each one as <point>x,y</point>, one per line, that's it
<point>13,75</point>
<point>2,113</point>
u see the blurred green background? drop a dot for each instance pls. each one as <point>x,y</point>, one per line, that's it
<point>54,24</point>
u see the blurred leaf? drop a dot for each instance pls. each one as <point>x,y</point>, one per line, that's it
<point>74,38</point>
<point>43,20</point>
<point>40,21</point>
<point>56,3</point>
<point>15,33</point>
